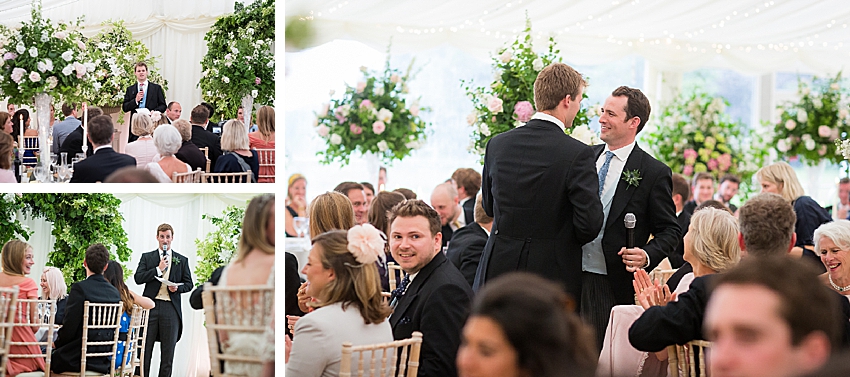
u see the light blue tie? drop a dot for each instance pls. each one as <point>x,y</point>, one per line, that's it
<point>144,97</point>
<point>603,172</point>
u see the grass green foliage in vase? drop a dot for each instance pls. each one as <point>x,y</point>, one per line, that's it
<point>219,246</point>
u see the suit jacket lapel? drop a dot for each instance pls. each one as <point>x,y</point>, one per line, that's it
<point>413,290</point>
<point>625,191</point>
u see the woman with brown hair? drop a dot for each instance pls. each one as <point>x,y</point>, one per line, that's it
<point>330,211</point>
<point>114,274</point>
<point>17,261</point>
<point>263,138</point>
<point>7,156</point>
<point>6,122</point>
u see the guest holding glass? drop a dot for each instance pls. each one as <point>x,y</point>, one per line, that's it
<point>143,149</point>
<point>53,287</point>
<point>296,203</point>
<point>263,138</point>
<point>236,156</point>
<point>114,274</point>
<point>7,158</point>
<point>167,140</point>
<point>17,262</point>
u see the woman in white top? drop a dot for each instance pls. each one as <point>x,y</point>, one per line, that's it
<point>142,149</point>
<point>343,279</point>
<point>167,140</point>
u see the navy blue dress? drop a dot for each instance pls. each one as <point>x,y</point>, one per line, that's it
<point>810,215</point>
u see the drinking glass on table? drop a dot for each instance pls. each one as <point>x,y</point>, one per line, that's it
<point>301,225</point>
<point>80,156</point>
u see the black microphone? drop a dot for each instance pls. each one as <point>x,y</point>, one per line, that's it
<point>630,221</point>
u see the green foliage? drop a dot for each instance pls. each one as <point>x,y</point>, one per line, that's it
<point>10,227</point>
<point>79,220</point>
<point>809,128</point>
<point>219,246</point>
<point>240,60</point>
<point>373,117</point>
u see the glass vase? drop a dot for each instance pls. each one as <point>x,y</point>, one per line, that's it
<point>42,111</point>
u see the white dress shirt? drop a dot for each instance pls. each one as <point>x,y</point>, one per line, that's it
<point>547,117</point>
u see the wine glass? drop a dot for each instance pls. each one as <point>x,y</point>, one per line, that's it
<point>39,173</point>
<point>64,173</point>
<point>301,225</point>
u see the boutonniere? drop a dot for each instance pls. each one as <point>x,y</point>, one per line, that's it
<point>632,177</point>
<point>175,260</point>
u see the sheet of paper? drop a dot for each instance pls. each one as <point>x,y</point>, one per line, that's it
<point>168,283</point>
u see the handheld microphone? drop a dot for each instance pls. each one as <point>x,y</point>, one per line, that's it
<point>630,221</point>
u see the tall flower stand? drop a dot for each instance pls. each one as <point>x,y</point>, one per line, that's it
<point>247,106</point>
<point>42,110</point>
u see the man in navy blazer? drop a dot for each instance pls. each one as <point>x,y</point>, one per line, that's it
<point>165,323</point>
<point>143,94</point>
<point>468,243</point>
<point>104,161</point>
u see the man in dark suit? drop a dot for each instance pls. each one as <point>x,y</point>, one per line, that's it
<point>165,324</point>
<point>142,95</point>
<point>631,181</point>
<point>433,296</point>
<point>702,186</point>
<point>95,289</point>
<point>468,243</point>
<point>467,181</point>
<point>73,143</point>
<point>681,191</point>
<point>540,186</point>
<point>104,160</point>
<point>444,200</point>
<point>203,138</point>
<point>173,112</point>
<point>189,152</point>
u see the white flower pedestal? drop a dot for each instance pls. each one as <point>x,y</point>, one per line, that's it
<point>247,107</point>
<point>42,110</point>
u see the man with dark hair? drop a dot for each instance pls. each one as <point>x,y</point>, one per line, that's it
<point>63,128</point>
<point>841,211</point>
<point>433,296</point>
<point>408,193</point>
<point>142,95</point>
<point>354,192</point>
<point>468,243</point>
<point>727,189</point>
<point>211,126</point>
<point>369,191</point>
<point>467,181</point>
<point>104,161</point>
<point>702,186</point>
<point>165,323</point>
<point>131,174</point>
<point>189,152</point>
<point>681,191</point>
<point>73,143</point>
<point>94,289</point>
<point>173,112</point>
<point>203,138</point>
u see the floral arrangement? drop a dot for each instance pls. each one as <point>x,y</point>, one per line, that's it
<point>507,102</point>
<point>240,60</point>
<point>809,128</point>
<point>366,243</point>
<point>695,135</point>
<point>115,54</point>
<point>44,58</point>
<point>372,117</point>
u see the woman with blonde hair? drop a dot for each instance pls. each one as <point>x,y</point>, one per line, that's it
<point>343,278</point>
<point>17,261</point>
<point>296,202</point>
<point>780,179</point>
<point>237,157</point>
<point>263,138</point>
<point>7,157</point>
<point>53,287</point>
<point>143,149</point>
<point>330,211</point>
<point>168,141</point>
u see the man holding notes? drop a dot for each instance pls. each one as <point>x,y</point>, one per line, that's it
<point>166,275</point>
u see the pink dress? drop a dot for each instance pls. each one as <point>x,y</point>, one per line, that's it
<point>17,366</point>
<point>256,142</point>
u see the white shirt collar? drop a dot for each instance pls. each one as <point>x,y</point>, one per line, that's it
<point>101,147</point>
<point>138,84</point>
<point>622,153</point>
<point>547,117</point>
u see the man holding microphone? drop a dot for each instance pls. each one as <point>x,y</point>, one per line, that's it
<point>142,95</point>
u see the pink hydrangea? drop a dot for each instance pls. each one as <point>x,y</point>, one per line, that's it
<point>378,127</point>
<point>688,170</point>
<point>690,153</point>
<point>523,110</point>
<point>366,104</point>
<point>355,129</point>
<point>712,164</point>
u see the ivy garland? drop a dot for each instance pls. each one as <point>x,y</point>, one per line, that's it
<point>220,245</point>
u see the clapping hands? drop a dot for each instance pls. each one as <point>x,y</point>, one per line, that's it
<point>649,294</point>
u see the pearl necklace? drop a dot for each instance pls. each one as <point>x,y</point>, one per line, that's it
<point>837,288</point>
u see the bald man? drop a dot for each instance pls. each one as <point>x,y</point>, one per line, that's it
<point>445,200</point>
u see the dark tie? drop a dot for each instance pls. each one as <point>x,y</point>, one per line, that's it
<point>398,293</point>
<point>603,172</point>
<point>165,255</point>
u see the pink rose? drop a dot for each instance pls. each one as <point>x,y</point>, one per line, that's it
<point>523,110</point>
<point>378,127</point>
<point>688,170</point>
<point>257,81</point>
<point>355,129</point>
<point>822,150</point>
<point>81,70</point>
<point>366,243</point>
<point>494,104</point>
<point>323,130</point>
<point>833,134</point>
<point>824,131</point>
<point>366,104</point>
<point>360,86</point>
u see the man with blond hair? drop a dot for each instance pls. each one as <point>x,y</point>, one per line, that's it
<point>541,188</point>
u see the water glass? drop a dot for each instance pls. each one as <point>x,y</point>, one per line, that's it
<point>301,225</point>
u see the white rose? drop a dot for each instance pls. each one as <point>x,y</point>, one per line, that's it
<point>254,93</point>
<point>20,48</point>
<point>41,66</point>
<point>35,77</point>
<point>33,52</point>
<point>506,57</point>
<point>385,115</point>
<point>782,145</point>
<point>53,81</point>
<point>379,91</point>
<point>494,104</point>
<point>582,134</point>
<point>472,118</point>
<point>412,144</point>
<point>60,34</point>
<point>790,124</point>
<point>234,50</point>
<point>810,144</point>
<point>817,103</point>
<point>537,64</point>
<point>225,79</point>
<point>484,129</point>
<point>89,67</point>
<point>250,30</point>
<point>81,45</point>
<point>323,130</point>
<point>382,146</point>
<point>336,139</point>
<point>68,70</point>
<point>44,37</point>
<point>802,116</point>
<point>68,55</point>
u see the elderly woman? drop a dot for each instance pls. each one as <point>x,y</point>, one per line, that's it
<point>237,157</point>
<point>263,138</point>
<point>832,243</point>
<point>167,140</point>
<point>502,339</point>
<point>779,178</point>
<point>711,246</point>
<point>143,149</point>
<point>296,202</point>
<point>7,156</point>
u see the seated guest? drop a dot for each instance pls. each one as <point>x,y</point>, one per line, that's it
<point>702,189</point>
<point>263,138</point>
<point>7,158</point>
<point>53,288</point>
<point>236,157</point>
<point>167,140</point>
<point>377,216</point>
<point>209,125</point>
<point>73,143</point>
<point>201,137</point>
<point>444,199</point>
<point>94,289</point>
<point>771,317</point>
<point>105,160</point>
<point>6,123</point>
<point>369,191</point>
<point>832,243</point>
<point>467,181</point>
<point>468,242</point>
<point>727,189</point>
<point>143,148</point>
<point>114,274</point>
<point>681,192</point>
<point>408,193</point>
<point>349,306</point>
<point>30,156</point>
<point>131,174</point>
<point>355,193</point>
<point>240,116</point>
<point>502,339</point>
<point>433,297</point>
<point>17,262</point>
<point>63,128</point>
<point>189,152</point>
<point>296,203</point>
<point>686,268</point>
<point>173,112</point>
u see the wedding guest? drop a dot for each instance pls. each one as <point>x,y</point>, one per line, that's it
<point>727,189</point>
<point>240,116</point>
<point>369,191</point>
<point>681,192</point>
<point>7,157</point>
<point>209,125</point>
<point>378,216</point>
<point>131,174</point>
<point>468,243</point>
<point>408,193</point>
<point>114,274</point>
<point>354,192</point>
<point>832,243</point>
<point>30,155</point>
<point>10,107</point>
<point>330,211</point>
<point>349,307</point>
<point>173,111</point>
<point>53,287</point>
<point>840,211</point>
<point>779,178</point>
<point>73,143</point>
<point>143,149</point>
<point>702,187</point>
<point>6,123</point>
<point>296,202</point>
<point>167,140</point>
<point>105,160</point>
<point>17,261</point>
<point>467,181</point>
<point>382,179</point>
<point>500,338</point>
<point>63,128</point>
<point>237,157</point>
<point>263,138</point>
<point>445,201</point>
<point>202,138</point>
<point>142,94</point>
<point>189,152</point>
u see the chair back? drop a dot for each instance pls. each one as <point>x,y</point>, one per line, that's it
<point>244,177</point>
<point>187,177</point>
<point>134,346</point>
<point>688,360</point>
<point>41,314</point>
<point>394,271</point>
<point>30,144</point>
<point>208,166</point>
<point>100,317</point>
<point>233,311</point>
<point>206,151</point>
<point>383,358</point>
<point>8,307</point>
<point>266,158</point>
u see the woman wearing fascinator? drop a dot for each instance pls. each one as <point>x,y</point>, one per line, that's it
<point>343,279</point>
